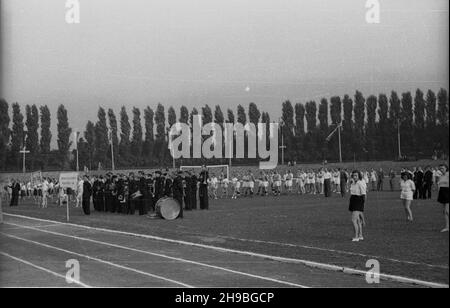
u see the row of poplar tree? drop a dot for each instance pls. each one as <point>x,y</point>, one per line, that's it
<point>369,131</point>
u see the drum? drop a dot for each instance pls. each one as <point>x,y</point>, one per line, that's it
<point>167,208</point>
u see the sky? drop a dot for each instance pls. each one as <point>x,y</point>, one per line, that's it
<point>217,52</point>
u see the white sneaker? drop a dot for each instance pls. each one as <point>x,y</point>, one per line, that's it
<point>444,230</point>
<point>361,238</point>
<point>356,239</point>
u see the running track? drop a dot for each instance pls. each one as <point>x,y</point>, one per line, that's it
<point>33,253</point>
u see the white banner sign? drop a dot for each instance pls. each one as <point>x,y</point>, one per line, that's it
<point>68,180</point>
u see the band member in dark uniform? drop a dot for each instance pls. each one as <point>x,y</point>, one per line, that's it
<point>113,191</point>
<point>142,188</point>
<point>193,192</point>
<point>203,190</point>
<point>343,180</point>
<point>167,185</point>
<point>122,194</point>
<point>86,198</point>
<point>187,191</point>
<point>133,189</point>
<point>177,188</point>
<point>159,187</point>
<point>95,188</point>
<point>108,193</point>
<point>15,191</point>
<point>98,194</point>
<point>148,194</point>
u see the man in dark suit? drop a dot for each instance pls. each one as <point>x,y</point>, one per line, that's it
<point>148,193</point>
<point>159,187</point>
<point>123,194</point>
<point>203,190</point>
<point>427,182</point>
<point>177,189</point>
<point>420,188</point>
<point>15,191</point>
<point>418,182</point>
<point>193,192</point>
<point>142,188</point>
<point>107,191</point>
<point>343,181</point>
<point>187,191</point>
<point>380,179</point>
<point>87,193</point>
<point>97,194</point>
<point>167,185</point>
<point>134,187</point>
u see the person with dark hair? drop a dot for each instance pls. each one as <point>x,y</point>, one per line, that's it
<point>358,191</point>
<point>343,181</point>
<point>159,187</point>
<point>427,182</point>
<point>113,191</point>
<point>407,194</point>
<point>203,190</point>
<point>380,178</point>
<point>142,187</point>
<point>15,191</point>
<point>177,188</point>
<point>419,183</point>
<point>443,197</point>
<point>326,182</point>
<point>87,193</point>
<point>123,192</point>
<point>187,186</point>
<point>133,191</point>
<point>193,191</point>
<point>95,193</point>
<point>168,182</point>
<point>108,193</point>
<point>149,193</point>
<point>391,179</point>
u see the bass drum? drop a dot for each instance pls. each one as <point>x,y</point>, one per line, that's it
<point>168,208</point>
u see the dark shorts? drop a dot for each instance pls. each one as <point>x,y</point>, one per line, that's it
<point>443,195</point>
<point>356,203</point>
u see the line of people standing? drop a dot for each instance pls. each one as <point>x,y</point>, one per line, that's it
<point>120,193</point>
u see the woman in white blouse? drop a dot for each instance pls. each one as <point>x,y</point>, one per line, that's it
<point>444,192</point>
<point>407,192</point>
<point>358,191</point>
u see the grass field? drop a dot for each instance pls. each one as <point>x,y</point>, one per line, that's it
<point>309,228</point>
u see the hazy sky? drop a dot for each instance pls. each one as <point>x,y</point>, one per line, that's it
<point>226,52</point>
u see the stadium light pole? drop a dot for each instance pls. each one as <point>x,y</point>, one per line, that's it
<point>76,144</point>
<point>24,151</point>
<point>338,129</point>
<point>113,166</point>
<point>282,147</point>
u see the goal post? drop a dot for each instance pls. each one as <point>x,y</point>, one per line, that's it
<point>225,168</point>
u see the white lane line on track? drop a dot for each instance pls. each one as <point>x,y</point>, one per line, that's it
<point>42,268</point>
<point>335,251</point>
<point>350,253</point>
<point>98,260</point>
<point>319,265</point>
<point>164,256</point>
